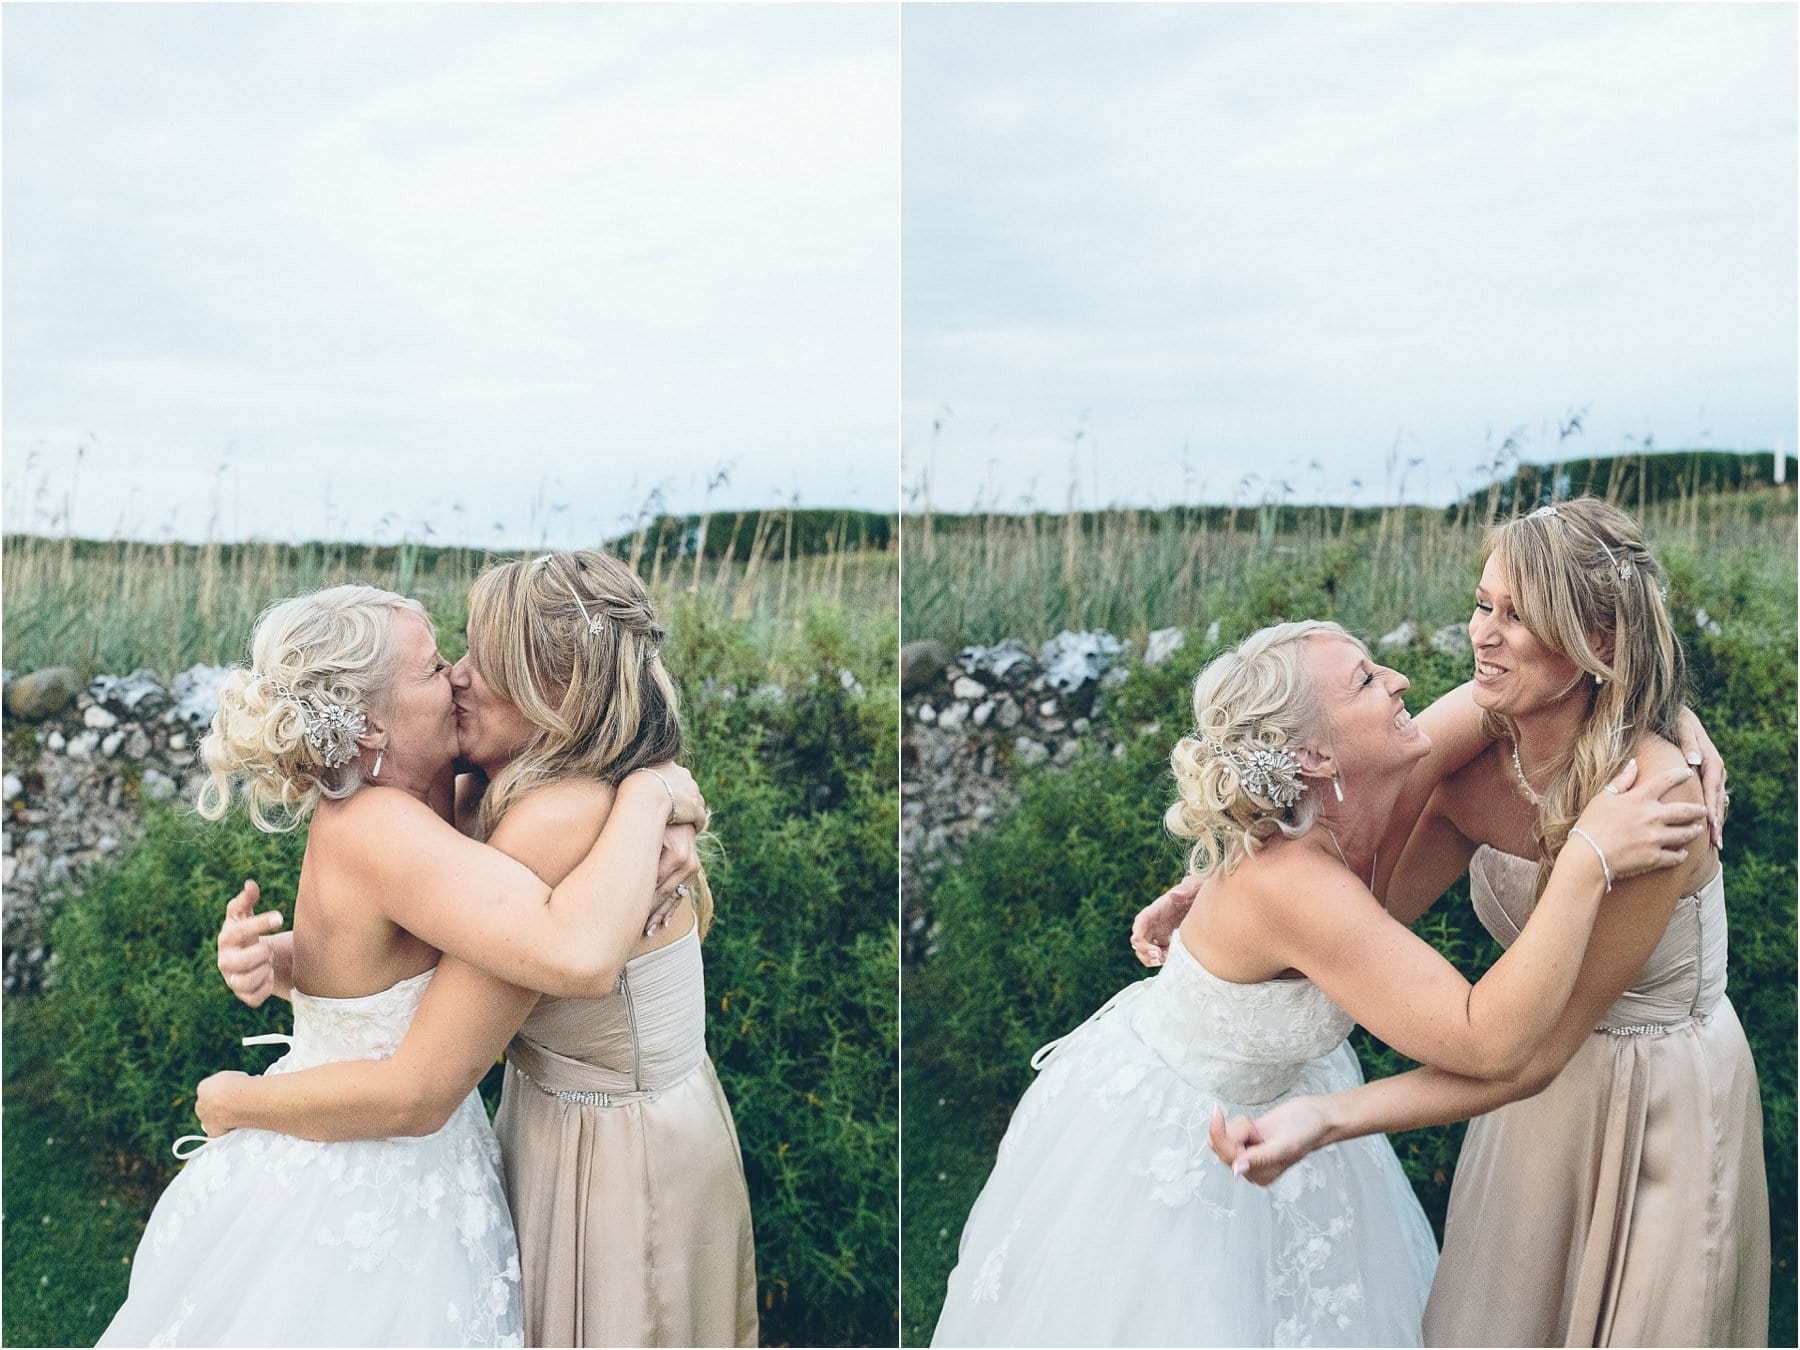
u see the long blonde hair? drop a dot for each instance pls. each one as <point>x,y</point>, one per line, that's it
<point>331,648</point>
<point>1258,696</point>
<point>572,641</point>
<point>1580,575</point>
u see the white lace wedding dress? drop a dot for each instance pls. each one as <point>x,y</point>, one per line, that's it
<point>1108,1221</point>
<point>264,1239</point>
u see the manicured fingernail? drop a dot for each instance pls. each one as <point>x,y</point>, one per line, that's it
<point>1240,1167</point>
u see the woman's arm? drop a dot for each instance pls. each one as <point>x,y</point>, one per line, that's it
<point>1328,926</point>
<point>472,901</point>
<point>1627,931</point>
<point>464,1021</point>
<point>1453,726</point>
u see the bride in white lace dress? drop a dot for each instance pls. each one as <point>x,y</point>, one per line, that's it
<point>1106,1220</point>
<point>346,716</point>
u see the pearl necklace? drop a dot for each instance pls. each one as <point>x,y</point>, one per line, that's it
<point>1525,783</point>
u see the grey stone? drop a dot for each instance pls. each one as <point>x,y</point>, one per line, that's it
<point>1080,725</point>
<point>1452,639</point>
<point>41,693</point>
<point>1072,659</point>
<point>137,745</point>
<point>82,746</point>
<point>178,741</point>
<point>12,788</point>
<point>114,739</point>
<point>99,719</point>
<point>1028,752</point>
<point>1212,632</point>
<point>55,742</point>
<point>953,716</point>
<point>68,784</point>
<point>927,714</point>
<point>921,663</point>
<point>1007,661</point>
<point>1010,714</point>
<point>969,689</point>
<point>1067,750</point>
<point>1707,624</point>
<point>1052,725</point>
<point>37,837</point>
<point>1163,644</point>
<point>139,694</point>
<point>1403,636</point>
<point>1047,708</point>
<point>157,786</point>
<point>196,695</point>
<point>8,865</point>
<point>983,712</point>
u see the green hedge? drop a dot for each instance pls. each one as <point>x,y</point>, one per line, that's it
<point>801,986</point>
<point>1031,927</point>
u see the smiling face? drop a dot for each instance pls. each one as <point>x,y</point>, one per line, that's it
<point>1367,727</point>
<point>417,714</point>
<point>490,729</point>
<point>1516,673</point>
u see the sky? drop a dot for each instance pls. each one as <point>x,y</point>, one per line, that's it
<point>1166,253</point>
<point>461,273</point>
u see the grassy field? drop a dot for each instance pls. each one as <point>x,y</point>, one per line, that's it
<point>982,578</point>
<point>98,1070</point>
<point>109,606</point>
<point>1031,925</point>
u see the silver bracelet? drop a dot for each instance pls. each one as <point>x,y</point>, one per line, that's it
<point>671,791</point>
<point>1576,829</point>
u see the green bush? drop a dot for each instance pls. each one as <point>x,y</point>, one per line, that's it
<point>801,985</point>
<point>1032,925</point>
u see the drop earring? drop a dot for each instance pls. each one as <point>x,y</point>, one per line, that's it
<point>376,771</point>
<point>1337,787</point>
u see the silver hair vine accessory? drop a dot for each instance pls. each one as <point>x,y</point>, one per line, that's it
<point>1624,569</point>
<point>1271,772</point>
<point>331,728</point>
<point>595,625</point>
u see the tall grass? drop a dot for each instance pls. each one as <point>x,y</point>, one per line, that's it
<point>113,605</point>
<point>983,577</point>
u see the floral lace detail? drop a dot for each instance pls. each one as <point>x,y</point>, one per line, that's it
<point>986,1286</point>
<point>364,1205</point>
<point>1133,1090</point>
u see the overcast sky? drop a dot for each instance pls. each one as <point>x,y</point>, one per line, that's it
<point>291,271</point>
<point>1176,246</point>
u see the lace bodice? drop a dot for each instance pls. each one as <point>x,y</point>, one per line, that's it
<point>1683,980</point>
<point>371,1027</point>
<point>1242,1042</point>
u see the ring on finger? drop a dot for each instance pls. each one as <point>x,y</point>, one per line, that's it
<point>681,890</point>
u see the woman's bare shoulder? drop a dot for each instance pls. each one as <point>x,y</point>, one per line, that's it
<point>554,826</point>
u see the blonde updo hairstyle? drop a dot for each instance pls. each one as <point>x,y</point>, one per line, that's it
<point>332,647</point>
<point>1258,695</point>
<point>1563,571</point>
<point>572,641</point>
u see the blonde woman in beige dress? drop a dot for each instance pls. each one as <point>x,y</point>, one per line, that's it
<point>621,1158</point>
<point>1613,1193</point>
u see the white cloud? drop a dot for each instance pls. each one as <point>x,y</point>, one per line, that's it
<point>415,247</point>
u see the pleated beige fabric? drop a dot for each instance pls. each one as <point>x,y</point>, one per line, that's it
<point>631,1210</point>
<point>1627,1203</point>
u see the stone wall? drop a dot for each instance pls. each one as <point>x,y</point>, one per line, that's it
<point>80,764</point>
<point>972,722</point>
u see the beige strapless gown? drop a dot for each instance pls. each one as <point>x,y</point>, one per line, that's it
<point>623,1170</point>
<point>1626,1204</point>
